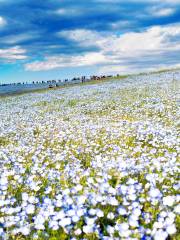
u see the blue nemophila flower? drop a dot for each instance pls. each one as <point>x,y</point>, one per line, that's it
<point>81,199</point>
<point>88,229</point>
<point>154,193</point>
<point>123,229</point>
<point>136,212</point>
<point>160,235</point>
<point>122,211</point>
<point>158,224</point>
<point>77,231</point>
<point>110,230</point>
<point>106,165</point>
<point>99,213</point>
<point>30,209</point>
<point>113,201</point>
<point>25,230</point>
<point>90,221</point>
<point>92,212</point>
<point>171,229</point>
<point>65,222</point>
<point>110,215</point>
<point>168,200</point>
<point>177,209</point>
<point>75,218</point>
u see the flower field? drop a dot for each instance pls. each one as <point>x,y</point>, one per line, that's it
<point>92,161</point>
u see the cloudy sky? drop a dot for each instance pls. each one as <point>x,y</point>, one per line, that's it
<point>53,39</point>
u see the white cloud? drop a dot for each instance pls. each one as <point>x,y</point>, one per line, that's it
<point>129,44</point>
<point>161,12</point>
<point>153,45</point>
<point>68,12</point>
<point>16,39</point>
<point>121,24</point>
<point>66,61</point>
<point>130,68</point>
<point>2,22</point>
<point>165,12</point>
<point>82,36</point>
<point>13,54</point>
<point>171,1</point>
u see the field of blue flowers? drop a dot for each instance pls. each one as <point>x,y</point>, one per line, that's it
<point>94,161</point>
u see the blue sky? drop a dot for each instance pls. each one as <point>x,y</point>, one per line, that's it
<point>55,39</point>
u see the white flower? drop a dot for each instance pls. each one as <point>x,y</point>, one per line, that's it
<point>168,201</point>
<point>135,205</point>
<point>171,215</point>
<point>169,221</point>
<point>25,196</point>
<point>25,231</point>
<point>69,201</point>
<point>132,197</point>
<point>123,227</point>
<point>30,209</point>
<point>77,231</point>
<point>39,226</point>
<point>171,229</point>
<point>92,211</point>
<point>110,215</point>
<point>75,218</point>
<point>154,193</point>
<point>99,213</point>
<point>123,189</point>
<point>81,199</point>
<point>163,214</point>
<point>80,212</point>
<point>78,187</point>
<point>177,209</point>
<point>160,235</point>
<point>147,185</point>
<point>31,199</point>
<point>3,181</point>
<point>60,215</point>
<point>123,230</point>
<point>113,201</point>
<point>99,198</point>
<point>53,223</point>
<point>110,229</point>
<point>88,229</point>
<point>133,223</point>
<point>176,186</point>
<point>112,191</point>
<point>136,212</point>
<point>58,203</point>
<point>36,188</point>
<point>122,211</point>
<point>66,191</point>
<point>1,231</point>
<point>65,222</point>
<point>55,227</point>
<point>39,219</point>
<point>2,202</point>
<point>158,224</point>
<point>71,213</point>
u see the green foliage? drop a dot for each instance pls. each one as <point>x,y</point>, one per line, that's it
<point>4,141</point>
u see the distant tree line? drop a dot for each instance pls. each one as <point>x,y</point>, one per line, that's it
<point>56,82</point>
